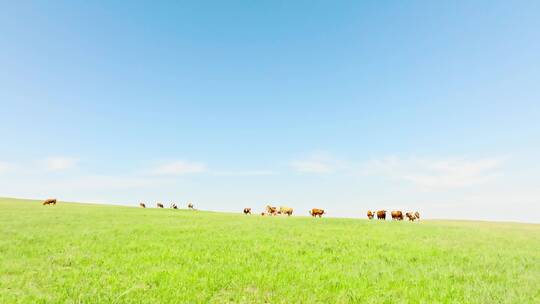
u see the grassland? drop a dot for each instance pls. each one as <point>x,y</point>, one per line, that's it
<point>83,253</point>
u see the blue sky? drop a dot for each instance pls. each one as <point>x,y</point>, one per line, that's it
<point>346,106</point>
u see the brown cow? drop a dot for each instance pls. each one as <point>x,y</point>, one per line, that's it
<point>381,215</point>
<point>247,211</point>
<point>190,205</point>
<point>417,215</point>
<point>410,216</point>
<point>370,214</point>
<point>142,205</point>
<point>263,213</point>
<point>316,212</point>
<point>271,210</point>
<point>286,210</point>
<point>397,215</point>
<point>159,205</point>
<point>50,201</point>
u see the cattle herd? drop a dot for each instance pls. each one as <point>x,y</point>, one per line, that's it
<point>396,215</point>
<point>283,210</point>
<point>172,205</point>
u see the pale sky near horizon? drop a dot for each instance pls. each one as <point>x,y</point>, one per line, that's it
<point>343,105</point>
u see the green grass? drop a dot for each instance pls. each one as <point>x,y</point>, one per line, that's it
<point>82,253</point>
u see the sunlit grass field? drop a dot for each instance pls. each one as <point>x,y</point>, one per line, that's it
<point>83,253</point>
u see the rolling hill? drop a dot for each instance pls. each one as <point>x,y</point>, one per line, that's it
<point>87,253</point>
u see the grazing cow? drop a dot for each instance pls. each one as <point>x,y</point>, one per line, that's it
<point>247,211</point>
<point>370,214</point>
<point>410,216</point>
<point>381,215</point>
<point>397,215</point>
<point>142,205</point>
<point>417,215</point>
<point>285,210</point>
<point>159,205</point>
<point>271,210</point>
<point>173,205</point>
<point>50,201</point>
<point>190,205</point>
<point>316,212</point>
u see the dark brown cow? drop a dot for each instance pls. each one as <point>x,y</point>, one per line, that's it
<point>50,201</point>
<point>417,215</point>
<point>370,214</point>
<point>263,213</point>
<point>410,216</point>
<point>316,212</point>
<point>247,210</point>
<point>381,215</point>
<point>190,205</point>
<point>159,205</point>
<point>397,215</point>
<point>142,205</point>
<point>271,210</point>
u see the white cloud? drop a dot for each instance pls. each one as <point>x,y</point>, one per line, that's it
<point>102,182</point>
<point>437,173</point>
<point>4,167</point>
<point>60,163</point>
<point>244,173</point>
<point>317,163</point>
<point>180,167</point>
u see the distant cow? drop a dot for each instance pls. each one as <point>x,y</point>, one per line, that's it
<point>370,214</point>
<point>316,212</point>
<point>381,215</point>
<point>285,210</point>
<point>417,215</point>
<point>247,210</point>
<point>142,205</point>
<point>173,205</point>
<point>50,201</point>
<point>263,213</point>
<point>397,215</point>
<point>159,205</point>
<point>271,210</point>
<point>410,216</point>
<point>190,205</point>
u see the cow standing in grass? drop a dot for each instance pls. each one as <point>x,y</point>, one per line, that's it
<point>271,210</point>
<point>173,206</point>
<point>247,211</point>
<point>142,205</point>
<point>417,215</point>
<point>49,202</point>
<point>159,205</point>
<point>381,215</point>
<point>410,216</point>
<point>316,212</point>
<point>190,206</point>
<point>286,210</point>
<point>397,215</point>
<point>370,214</point>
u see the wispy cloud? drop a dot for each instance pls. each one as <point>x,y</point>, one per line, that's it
<point>319,163</point>
<point>437,173</point>
<point>96,182</point>
<point>60,163</point>
<point>4,167</point>
<point>244,173</point>
<point>180,167</point>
